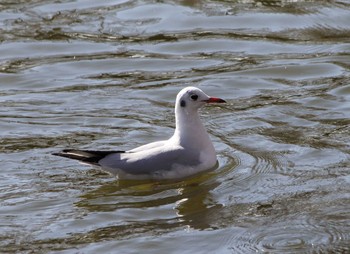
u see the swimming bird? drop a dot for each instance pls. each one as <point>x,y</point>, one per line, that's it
<point>187,152</point>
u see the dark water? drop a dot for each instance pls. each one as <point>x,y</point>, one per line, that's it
<point>104,75</point>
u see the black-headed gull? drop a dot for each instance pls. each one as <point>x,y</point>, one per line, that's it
<point>187,152</point>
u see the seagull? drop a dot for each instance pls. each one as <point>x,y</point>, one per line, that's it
<point>187,152</point>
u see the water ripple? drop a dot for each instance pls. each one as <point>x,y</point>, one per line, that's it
<point>302,234</point>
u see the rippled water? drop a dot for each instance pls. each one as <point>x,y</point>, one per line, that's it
<point>104,75</point>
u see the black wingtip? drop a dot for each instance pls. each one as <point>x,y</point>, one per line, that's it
<point>86,156</point>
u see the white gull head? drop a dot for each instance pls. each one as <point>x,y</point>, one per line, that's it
<point>188,123</point>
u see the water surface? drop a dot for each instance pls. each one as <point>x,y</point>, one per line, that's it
<point>104,75</point>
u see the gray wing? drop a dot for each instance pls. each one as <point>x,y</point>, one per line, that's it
<point>152,145</point>
<point>149,161</point>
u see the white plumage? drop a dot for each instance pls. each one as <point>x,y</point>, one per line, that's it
<point>187,152</point>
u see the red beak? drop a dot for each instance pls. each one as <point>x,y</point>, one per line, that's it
<point>215,100</point>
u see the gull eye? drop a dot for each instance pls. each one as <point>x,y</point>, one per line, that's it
<point>194,97</point>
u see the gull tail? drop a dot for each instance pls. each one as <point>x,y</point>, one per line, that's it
<point>85,156</point>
